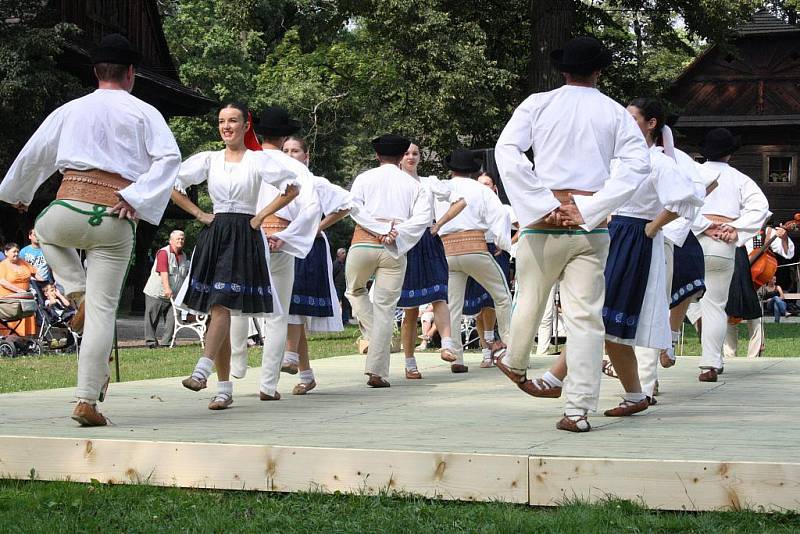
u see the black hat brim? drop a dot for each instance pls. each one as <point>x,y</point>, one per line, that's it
<point>601,62</point>
<point>715,152</point>
<point>289,128</point>
<point>115,56</point>
<point>475,167</point>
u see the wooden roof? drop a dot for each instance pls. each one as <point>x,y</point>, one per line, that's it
<point>765,23</point>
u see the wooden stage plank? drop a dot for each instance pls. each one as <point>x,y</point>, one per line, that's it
<point>667,484</point>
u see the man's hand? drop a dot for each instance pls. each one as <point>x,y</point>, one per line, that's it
<point>714,231</point>
<point>570,216</point>
<point>275,243</point>
<point>729,234</point>
<point>124,210</point>
<point>168,293</point>
<point>205,218</point>
<point>20,207</point>
<point>554,217</point>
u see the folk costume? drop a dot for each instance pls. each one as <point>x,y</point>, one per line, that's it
<point>464,239</point>
<point>385,199</point>
<point>575,132</point>
<point>109,145</point>
<point>739,203</point>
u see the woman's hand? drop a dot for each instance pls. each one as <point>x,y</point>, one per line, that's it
<point>255,223</point>
<point>205,218</point>
<point>650,230</point>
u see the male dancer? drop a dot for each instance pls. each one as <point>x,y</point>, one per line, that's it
<point>464,239</point>
<point>290,234</point>
<point>391,210</point>
<point>575,131</point>
<point>119,161</point>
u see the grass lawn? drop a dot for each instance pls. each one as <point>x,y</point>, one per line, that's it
<point>60,506</point>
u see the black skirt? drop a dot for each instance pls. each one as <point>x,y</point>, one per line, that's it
<point>229,268</point>
<point>688,271</point>
<point>743,302</point>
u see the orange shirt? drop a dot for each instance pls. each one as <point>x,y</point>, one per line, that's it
<point>19,274</point>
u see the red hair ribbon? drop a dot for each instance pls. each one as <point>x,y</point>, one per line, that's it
<point>250,139</point>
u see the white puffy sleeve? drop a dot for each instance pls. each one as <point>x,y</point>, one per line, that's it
<point>332,198</point>
<point>676,190</point>
<point>754,209</point>
<point>499,220</point>
<point>273,171</point>
<point>442,190</point>
<point>410,231</point>
<point>194,170</point>
<point>361,215</point>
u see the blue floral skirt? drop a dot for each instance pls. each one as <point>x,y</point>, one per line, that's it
<point>476,297</point>
<point>426,273</point>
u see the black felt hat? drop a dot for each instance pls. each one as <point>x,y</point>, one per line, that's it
<point>116,49</point>
<point>462,160</point>
<point>718,143</point>
<point>581,55</point>
<point>390,145</point>
<point>275,122</point>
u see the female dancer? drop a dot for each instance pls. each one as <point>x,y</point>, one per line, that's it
<point>314,304</point>
<point>229,273</point>
<point>427,272</point>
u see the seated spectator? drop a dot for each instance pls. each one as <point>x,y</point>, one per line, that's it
<point>428,326</point>
<point>772,296</point>
<point>15,278</point>
<point>33,254</point>
<point>57,306</point>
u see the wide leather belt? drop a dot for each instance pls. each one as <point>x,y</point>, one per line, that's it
<point>92,186</point>
<point>273,224</point>
<point>563,196</point>
<point>360,235</point>
<point>718,219</point>
<point>466,242</point>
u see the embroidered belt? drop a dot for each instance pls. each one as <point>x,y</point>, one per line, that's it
<point>718,219</point>
<point>93,186</point>
<point>360,235</point>
<point>465,242</point>
<point>274,224</point>
<point>563,196</point>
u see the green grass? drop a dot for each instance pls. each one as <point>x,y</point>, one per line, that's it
<point>60,506</point>
<point>60,370</point>
<point>780,340</point>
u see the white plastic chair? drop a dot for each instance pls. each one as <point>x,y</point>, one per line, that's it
<point>198,325</point>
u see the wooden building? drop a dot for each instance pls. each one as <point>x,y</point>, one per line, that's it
<point>751,85</point>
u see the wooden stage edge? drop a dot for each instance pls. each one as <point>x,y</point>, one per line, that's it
<point>535,480</point>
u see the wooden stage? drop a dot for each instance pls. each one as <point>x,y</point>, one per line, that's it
<point>732,444</point>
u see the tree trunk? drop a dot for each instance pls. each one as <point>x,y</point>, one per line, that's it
<point>552,22</point>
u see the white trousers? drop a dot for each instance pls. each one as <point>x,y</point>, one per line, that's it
<point>577,260</point>
<point>108,242</point>
<point>718,257</point>
<point>484,269</point>
<point>545,332</point>
<point>376,317</point>
<point>756,332</point>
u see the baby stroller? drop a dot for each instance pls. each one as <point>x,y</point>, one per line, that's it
<point>54,331</point>
<point>14,308</point>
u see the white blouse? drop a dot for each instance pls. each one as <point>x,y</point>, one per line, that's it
<point>677,231</point>
<point>484,212</point>
<point>665,188</point>
<point>386,197</point>
<point>332,198</point>
<point>736,197</point>
<point>439,191</point>
<point>108,130</point>
<point>574,132</point>
<point>234,187</point>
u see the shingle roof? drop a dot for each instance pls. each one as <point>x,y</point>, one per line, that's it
<point>765,23</point>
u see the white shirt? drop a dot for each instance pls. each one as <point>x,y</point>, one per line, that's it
<point>574,132</point>
<point>677,231</point>
<point>303,213</point>
<point>438,190</point>
<point>512,220</point>
<point>108,130</point>
<point>665,188</point>
<point>234,187</point>
<point>736,197</point>
<point>332,198</point>
<point>776,246</point>
<point>387,195</point>
<point>484,212</point>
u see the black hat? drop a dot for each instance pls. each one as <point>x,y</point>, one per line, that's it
<point>462,160</point>
<point>581,55</point>
<point>116,49</point>
<point>719,142</point>
<point>390,145</point>
<point>275,122</point>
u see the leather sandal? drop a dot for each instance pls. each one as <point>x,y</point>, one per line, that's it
<point>264,397</point>
<point>498,349</point>
<point>288,367</point>
<point>708,375</point>
<point>459,368</point>
<point>539,388</point>
<point>304,387</point>
<point>506,370</point>
<point>608,369</point>
<point>376,381</point>
<point>195,384</point>
<point>574,425</point>
<point>221,401</point>
<point>627,408</point>
<point>413,374</point>
<point>666,359</point>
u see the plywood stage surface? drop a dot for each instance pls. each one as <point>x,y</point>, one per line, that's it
<point>474,436</point>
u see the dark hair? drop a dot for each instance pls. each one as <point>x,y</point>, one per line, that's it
<point>300,140</point>
<point>390,159</point>
<point>9,246</point>
<point>240,106</point>
<point>651,109</point>
<point>110,72</point>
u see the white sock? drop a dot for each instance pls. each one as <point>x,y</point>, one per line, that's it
<point>634,397</point>
<point>411,363</point>
<point>203,368</point>
<point>676,337</point>
<point>575,413</point>
<point>447,343</point>
<point>225,388</point>
<point>87,401</point>
<point>291,357</point>
<point>487,354</point>
<point>551,380</point>
<point>488,336</point>
<point>306,377</point>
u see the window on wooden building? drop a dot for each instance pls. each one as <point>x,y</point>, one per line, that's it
<point>780,168</point>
